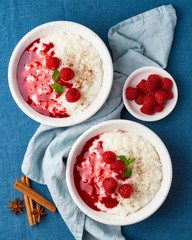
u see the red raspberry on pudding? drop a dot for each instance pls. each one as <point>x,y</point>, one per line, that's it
<point>67,74</point>
<point>72,95</point>
<point>110,185</point>
<point>52,63</point>
<point>125,190</point>
<point>118,167</point>
<point>131,93</point>
<point>109,157</point>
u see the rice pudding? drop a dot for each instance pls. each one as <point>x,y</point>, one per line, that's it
<point>60,96</point>
<point>105,181</point>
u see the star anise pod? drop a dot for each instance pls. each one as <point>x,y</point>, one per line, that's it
<point>16,206</point>
<point>38,213</point>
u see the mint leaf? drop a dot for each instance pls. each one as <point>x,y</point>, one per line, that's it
<point>127,172</point>
<point>123,159</point>
<point>56,75</point>
<point>57,87</point>
<point>132,160</point>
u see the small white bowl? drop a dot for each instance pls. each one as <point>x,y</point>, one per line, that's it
<point>49,28</point>
<point>134,79</point>
<point>136,128</point>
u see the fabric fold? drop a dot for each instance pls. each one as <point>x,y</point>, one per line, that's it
<point>139,41</point>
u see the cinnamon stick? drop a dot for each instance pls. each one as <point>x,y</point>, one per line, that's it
<point>30,201</point>
<point>34,195</point>
<point>29,204</point>
<point>27,182</point>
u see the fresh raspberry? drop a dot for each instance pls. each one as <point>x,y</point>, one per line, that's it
<point>149,101</point>
<point>139,98</point>
<point>118,167</point>
<point>52,63</point>
<point>148,111</point>
<point>109,157</point>
<point>110,185</point>
<point>72,95</point>
<point>169,94</point>
<point>142,87</point>
<point>160,96</point>
<point>159,107</point>
<point>67,74</point>
<point>155,76</point>
<point>166,83</point>
<point>152,83</point>
<point>125,190</point>
<point>131,93</point>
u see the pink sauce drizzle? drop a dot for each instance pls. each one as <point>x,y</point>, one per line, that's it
<point>88,190</point>
<point>47,104</point>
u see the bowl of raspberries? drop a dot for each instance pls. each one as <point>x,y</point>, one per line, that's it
<point>150,93</point>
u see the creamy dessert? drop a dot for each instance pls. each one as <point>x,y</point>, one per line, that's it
<point>60,75</point>
<point>117,172</point>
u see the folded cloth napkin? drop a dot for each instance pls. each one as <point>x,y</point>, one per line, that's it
<point>139,41</point>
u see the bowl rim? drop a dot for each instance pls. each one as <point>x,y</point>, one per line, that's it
<point>157,116</point>
<point>103,93</point>
<point>144,212</point>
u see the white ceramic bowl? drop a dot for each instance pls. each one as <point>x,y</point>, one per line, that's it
<point>136,128</point>
<point>50,28</point>
<point>134,79</point>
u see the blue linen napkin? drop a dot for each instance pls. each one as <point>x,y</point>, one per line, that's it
<point>139,41</point>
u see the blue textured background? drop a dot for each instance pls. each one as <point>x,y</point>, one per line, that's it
<point>173,220</point>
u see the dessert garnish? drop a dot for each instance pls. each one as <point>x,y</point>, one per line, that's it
<point>118,167</point>
<point>57,87</point>
<point>56,75</point>
<point>52,63</point>
<point>125,190</point>
<point>16,206</point>
<point>109,157</point>
<point>110,185</point>
<point>38,213</point>
<point>122,168</point>
<point>67,74</point>
<point>72,95</point>
<point>128,170</point>
<point>152,93</point>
